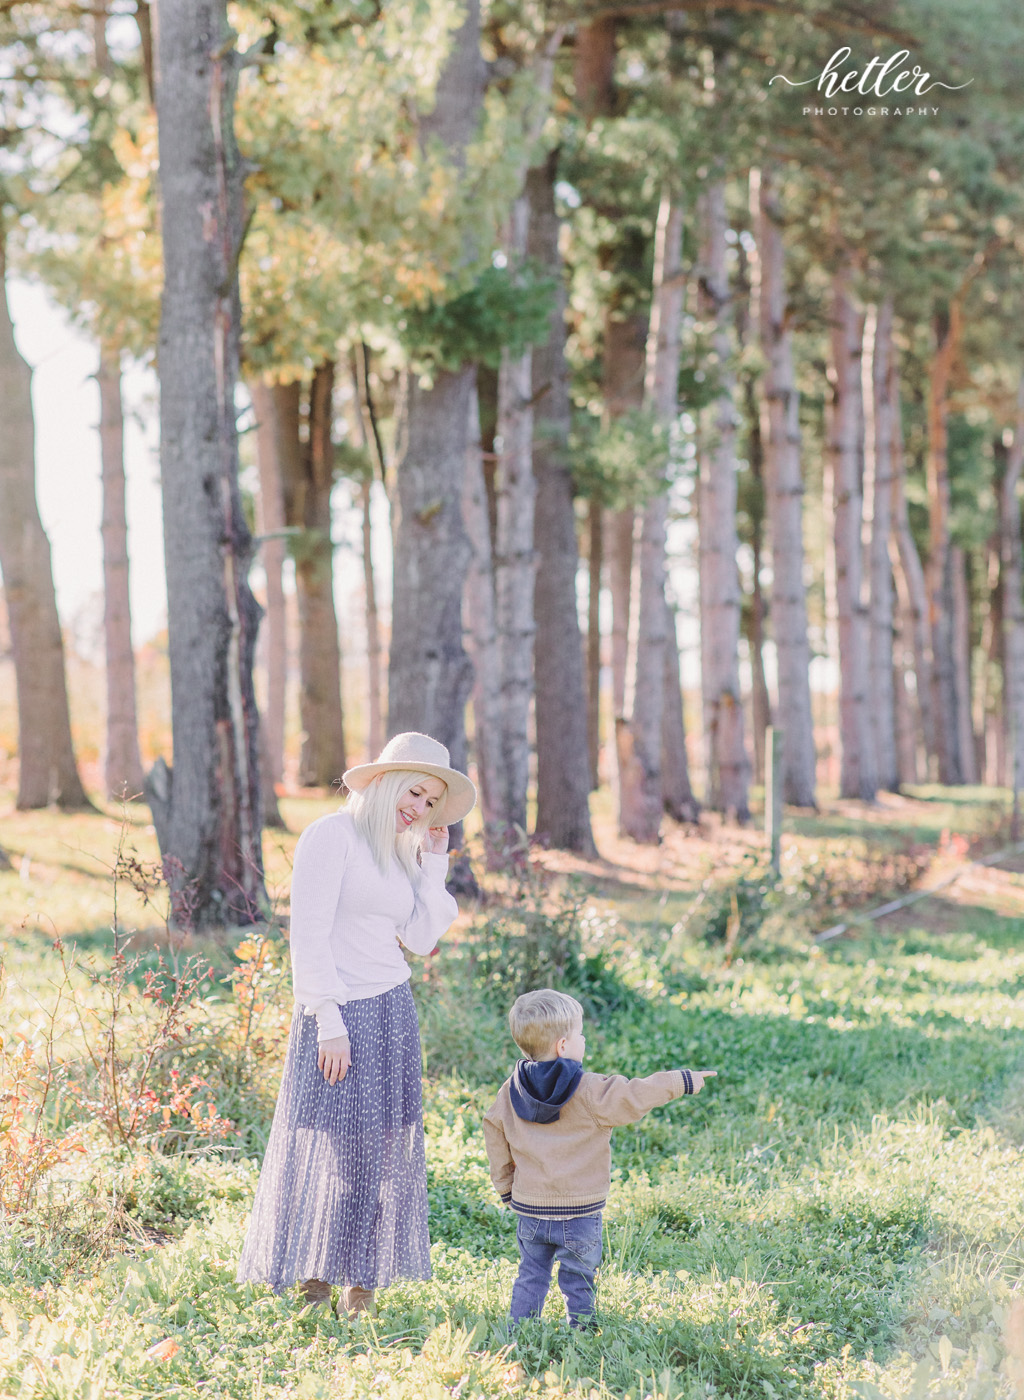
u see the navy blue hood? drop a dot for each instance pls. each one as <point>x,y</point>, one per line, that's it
<point>540,1089</point>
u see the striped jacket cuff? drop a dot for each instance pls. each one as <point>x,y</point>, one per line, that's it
<point>687,1081</point>
<point>558,1212</point>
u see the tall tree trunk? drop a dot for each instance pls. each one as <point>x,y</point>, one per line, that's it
<point>430,675</point>
<point>563,762</point>
<point>962,672</point>
<point>728,766</point>
<point>366,417</point>
<point>369,434</point>
<point>676,791</point>
<point>906,729</point>
<point>619,536</point>
<point>784,487</point>
<point>322,758</point>
<point>514,566</point>
<point>1013,599</point>
<point>845,467</point>
<point>271,524</point>
<point>47,769</point>
<point>374,650</point>
<point>594,55</point>
<point>483,642</point>
<point>939,574</point>
<point>625,359</point>
<point>207,812</point>
<point>992,697</point>
<point>909,577</point>
<point>639,734</point>
<point>878,522</point>
<point>753,616</point>
<point>122,765</point>
<point>595,567</point>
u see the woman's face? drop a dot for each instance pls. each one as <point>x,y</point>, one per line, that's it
<point>421,797</point>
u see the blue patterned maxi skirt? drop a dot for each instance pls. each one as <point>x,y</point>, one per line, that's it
<point>342,1194</point>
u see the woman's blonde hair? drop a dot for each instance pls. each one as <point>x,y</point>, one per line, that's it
<point>538,1019</point>
<point>373,810</point>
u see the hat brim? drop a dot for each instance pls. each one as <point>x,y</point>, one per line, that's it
<point>460,799</point>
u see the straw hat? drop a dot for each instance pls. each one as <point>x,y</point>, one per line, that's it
<point>420,754</point>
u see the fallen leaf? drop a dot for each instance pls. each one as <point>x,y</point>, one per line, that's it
<point>163,1351</point>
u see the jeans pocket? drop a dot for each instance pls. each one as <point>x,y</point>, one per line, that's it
<point>583,1237</point>
<point>527,1229</point>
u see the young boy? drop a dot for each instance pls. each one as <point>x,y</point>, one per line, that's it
<point>548,1138</point>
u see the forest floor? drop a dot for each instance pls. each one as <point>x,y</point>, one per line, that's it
<point>839,1214</point>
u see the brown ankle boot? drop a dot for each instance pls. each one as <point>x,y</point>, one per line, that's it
<point>315,1290</point>
<point>355,1300</point>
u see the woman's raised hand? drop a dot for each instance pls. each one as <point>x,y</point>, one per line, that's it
<point>435,842</point>
<point>334,1058</point>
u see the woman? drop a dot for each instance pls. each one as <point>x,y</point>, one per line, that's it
<point>342,1195</point>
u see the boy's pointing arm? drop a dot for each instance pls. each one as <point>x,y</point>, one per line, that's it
<point>615,1100</point>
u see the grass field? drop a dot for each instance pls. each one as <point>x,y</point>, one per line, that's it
<point>839,1214</point>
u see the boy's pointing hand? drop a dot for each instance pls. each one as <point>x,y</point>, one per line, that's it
<point>699,1076</point>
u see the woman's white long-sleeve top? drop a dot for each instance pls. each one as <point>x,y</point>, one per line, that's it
<point>349,922</point>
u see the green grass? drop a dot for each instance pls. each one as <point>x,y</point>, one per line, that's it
<point>839,1214</point>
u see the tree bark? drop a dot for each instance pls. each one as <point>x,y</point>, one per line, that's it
<point>595,567</point>
<point>514,562</point>
<point>374,650</point>
<point>963,671</point>
<point>322,758</point>
<point>207,812</point>
<point>620,538</point>
<point>728,766</point>
<point>271,524</point>
<point>47,769</point>
<point>639,733</point>
<point>430,675</point>
<point>906,730</point>
<point>122,764</point>
<point>369,431</point>
<point>780,434</point>
<point>909,577</point>
<point>625,359</point>
<point>939,574</point>
<point>845,468</point>
<point>563,759</point>
<point>992,734</point>
<point>753,617</point>
<point>676,791</point>
<point>1013,599</point>
<point>594,54</point>
<point>878,478</point>
<point>483,640</point>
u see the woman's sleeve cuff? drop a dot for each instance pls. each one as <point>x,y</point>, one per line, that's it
<point>436,862</point>
<point>329,1024</point>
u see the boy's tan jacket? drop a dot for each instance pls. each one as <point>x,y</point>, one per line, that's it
<point>563,1169</point>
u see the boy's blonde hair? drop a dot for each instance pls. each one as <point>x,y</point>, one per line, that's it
<point>538,1019</point>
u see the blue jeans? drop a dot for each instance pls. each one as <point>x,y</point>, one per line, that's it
<point>576,1244</point>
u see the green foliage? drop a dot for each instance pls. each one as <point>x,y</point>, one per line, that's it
<point>543,947</point>
<point>502,310</point>
<point>625,463</point>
